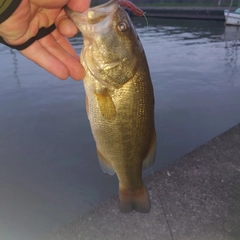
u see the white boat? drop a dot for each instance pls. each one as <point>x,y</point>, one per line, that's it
<point>232,17</point>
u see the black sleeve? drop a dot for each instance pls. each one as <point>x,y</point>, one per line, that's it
<point>7,7</point>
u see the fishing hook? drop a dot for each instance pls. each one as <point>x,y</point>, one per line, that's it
<point>128,4</point>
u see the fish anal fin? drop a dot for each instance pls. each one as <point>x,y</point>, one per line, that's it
<point>134,200</point>
<point>149,160</point>
<point>105,164</point>
<point>106,105</point>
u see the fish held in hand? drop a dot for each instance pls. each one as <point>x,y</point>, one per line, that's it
<point>119,99</point>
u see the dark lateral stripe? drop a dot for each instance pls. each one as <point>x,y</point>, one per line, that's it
<point>41,33</point>
<point>10,10</point>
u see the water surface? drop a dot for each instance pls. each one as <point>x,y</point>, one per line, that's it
<point>49,171</point>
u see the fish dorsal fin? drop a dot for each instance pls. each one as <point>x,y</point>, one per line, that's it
<point>106,105</point>
<point>149,160</point>
<point>105,164</point>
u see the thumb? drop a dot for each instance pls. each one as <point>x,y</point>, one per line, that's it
<point>79,6</point>
<point>65,26</point>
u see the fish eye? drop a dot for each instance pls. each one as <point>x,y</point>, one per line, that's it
<point>122,26</point>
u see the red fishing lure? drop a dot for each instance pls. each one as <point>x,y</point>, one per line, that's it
<point>128,4</point>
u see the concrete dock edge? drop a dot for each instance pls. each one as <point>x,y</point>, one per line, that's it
<point>195,198</point>
<point>201,13</point>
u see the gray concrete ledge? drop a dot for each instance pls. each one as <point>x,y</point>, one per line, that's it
<point>198,197</point>
<point>206,13</point>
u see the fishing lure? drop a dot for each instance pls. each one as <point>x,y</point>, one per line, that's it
<point>128,4</point>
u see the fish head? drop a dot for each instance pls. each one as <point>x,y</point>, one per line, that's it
<point>111,45</point>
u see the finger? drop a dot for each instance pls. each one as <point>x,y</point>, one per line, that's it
<point>76,5</point>
<point>76,70</point>
<point>50,4</point>
<point>65,26</point>
<point>37,53</point>
<point>79,6</point>
<point>65,44</point>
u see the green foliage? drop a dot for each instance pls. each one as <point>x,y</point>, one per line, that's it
<point>175,3</point>
<point>185,4</point>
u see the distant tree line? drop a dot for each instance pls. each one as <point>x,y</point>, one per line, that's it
<point>213,2</point>
<point>175,2</point>
<point>192,2</point>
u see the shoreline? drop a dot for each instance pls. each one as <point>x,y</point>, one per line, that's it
<point>196,197</point>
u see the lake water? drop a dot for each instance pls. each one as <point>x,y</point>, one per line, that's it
<point>49,171</point>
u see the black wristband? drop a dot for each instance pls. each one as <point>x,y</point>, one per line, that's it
<point>42,32</point>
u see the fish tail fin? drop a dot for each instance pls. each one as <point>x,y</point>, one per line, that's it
<point>134,200</point>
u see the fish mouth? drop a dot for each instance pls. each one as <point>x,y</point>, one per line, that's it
<point>95,20</point>
<point>98,13</point>
<point>95,23</point>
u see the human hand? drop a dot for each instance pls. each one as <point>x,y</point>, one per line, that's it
<point>53,52</point>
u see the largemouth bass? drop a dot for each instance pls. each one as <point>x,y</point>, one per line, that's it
<point>119,99</point>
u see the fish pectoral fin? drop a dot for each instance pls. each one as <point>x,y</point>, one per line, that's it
<point>149,160</point>
<point>106,105</point>
<point>134,200</point>
<point>105,164</point>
